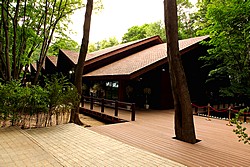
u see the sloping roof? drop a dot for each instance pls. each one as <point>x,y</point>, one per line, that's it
<point>34,66</point>
<point>142,59</point>
<point>73,56</point>
<point>53,59</point>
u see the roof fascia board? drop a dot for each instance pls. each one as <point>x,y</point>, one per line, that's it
<point>108,77</point>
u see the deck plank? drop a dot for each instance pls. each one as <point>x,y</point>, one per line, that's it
<point>153,131</point>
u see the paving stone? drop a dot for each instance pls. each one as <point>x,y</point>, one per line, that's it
<point>71,145</point>
<point>19,149</point>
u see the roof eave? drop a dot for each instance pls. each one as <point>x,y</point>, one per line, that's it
<point>108,77</point>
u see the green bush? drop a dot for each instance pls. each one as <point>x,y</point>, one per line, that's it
<point>62,96</point>
<point>18,103</point>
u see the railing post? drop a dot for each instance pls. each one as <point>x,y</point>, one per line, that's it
<point>133,112</point>
<point>102,106</point>
<point>229,117</point>
<point>91,103</point>
<point>208,112</point>
<point>116,108</point>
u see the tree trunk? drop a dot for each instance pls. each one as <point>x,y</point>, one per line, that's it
<point>74,117</point>
<point>5,18</point>
<point>184,125</point>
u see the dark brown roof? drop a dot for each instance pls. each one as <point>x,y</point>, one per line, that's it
<point>73,56</point>
<point>34,66</point>
<point>142,59</point>
<point>53,59</point>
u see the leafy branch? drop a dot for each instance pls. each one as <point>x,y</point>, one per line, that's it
<point>240,131</point>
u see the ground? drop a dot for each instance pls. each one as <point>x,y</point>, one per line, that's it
<point>90,122</point>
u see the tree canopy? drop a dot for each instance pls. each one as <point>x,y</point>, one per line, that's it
<point>228,26</point>
<point>27,26</point>
<point>144,31</point>
<point>63,43</point>
<point>112,41</point>
<point>186,27</point>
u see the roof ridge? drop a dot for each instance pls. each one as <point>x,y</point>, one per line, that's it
<point>103,52</point>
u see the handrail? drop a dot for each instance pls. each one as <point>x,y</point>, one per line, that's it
<point>110,103</point>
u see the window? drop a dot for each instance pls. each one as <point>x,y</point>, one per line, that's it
<point>112,90</point>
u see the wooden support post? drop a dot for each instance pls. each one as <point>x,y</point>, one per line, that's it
<point>82,101</point>
<point>102,106</point>
<point>91,103</point>
<point>116,108</point>
<point>229,117</point>
<point>208,112</point>
<point>133,112</point>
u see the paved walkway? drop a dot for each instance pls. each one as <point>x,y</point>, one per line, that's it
<point>70,145</point>
<point>18,149</point>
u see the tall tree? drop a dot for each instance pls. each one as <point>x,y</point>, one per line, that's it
<point>184,125</point>
<point>55,11</point>
<point>29,25</point>
<point>74,117</point>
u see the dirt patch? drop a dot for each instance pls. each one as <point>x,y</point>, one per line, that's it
<point>89,122</point>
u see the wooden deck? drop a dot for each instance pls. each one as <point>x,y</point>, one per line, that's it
<point>153,131</point>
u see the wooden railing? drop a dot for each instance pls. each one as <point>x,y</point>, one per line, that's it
<point>111,104</point>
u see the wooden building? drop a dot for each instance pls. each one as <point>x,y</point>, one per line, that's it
<point>124,71</point>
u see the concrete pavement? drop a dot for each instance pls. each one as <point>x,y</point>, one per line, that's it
<point>16,149</point>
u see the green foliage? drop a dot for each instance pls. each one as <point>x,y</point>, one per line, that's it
<point>112,41</point>
<point>63,43</point>
<point>37,100</point>
<point>9,100</point>
<point>146,30</point>
<point>135,33</point>
<point>156,28</point>
<point>186,26</point>
<point>228,26</point>
<point>27,29</point>
<point>199,17</point>
<point>61,92</point>
<point>240,131</point>
<point>17,101</point>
